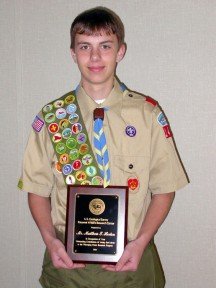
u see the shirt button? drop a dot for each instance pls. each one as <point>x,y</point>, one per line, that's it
<point>130,166</point>
<point>130,95</point>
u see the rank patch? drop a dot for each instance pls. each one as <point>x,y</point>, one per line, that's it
<point>38,124</point>
<point>133,183</point>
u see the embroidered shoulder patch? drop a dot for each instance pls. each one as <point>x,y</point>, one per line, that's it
<point>163,122</point>
<point>151,101</point>
<point>38,124</point>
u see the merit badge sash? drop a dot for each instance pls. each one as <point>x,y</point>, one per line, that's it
<point>70,141</point>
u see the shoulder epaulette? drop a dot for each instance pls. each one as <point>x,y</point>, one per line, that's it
<point>151,101</point>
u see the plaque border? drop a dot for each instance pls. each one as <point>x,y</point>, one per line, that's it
<point>121,238</point>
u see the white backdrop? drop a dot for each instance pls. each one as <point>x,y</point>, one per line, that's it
<point>170,56</point>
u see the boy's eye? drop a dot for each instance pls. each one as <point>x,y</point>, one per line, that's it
<point>105,46</point>
<point>84,47</point>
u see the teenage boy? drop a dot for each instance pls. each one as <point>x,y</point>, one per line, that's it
<point>140,153</point>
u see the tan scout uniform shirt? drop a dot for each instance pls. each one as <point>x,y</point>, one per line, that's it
<point>148,156</point>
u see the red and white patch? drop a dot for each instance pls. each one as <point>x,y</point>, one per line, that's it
<point>151,101</point>
<point>167,131</point>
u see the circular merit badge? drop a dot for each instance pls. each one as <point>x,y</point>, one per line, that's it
<point>97,206</point>
<point>81,138</point>
<point>69,99</point>
<point>81,175</point>
<point>61,113</point>
<point>58,104</point>
<point>50,117</point>
<point>71,143</point>
<point>66,133</point>
<point>57,137</point>
<point>71,108</point>
<point>84,148</point>
<point>48,108</point>
<point>70,180</point>
<point>97,180</point>
<point>60,148</point>
<point>73,118</point>
<point>53,128</point>
<point>67,169</point>
<point>76,128</point>
<point>64,123</point>
<point>64,159</point>
<point>91,171</point>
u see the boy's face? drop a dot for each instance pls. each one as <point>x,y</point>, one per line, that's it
<point>96,57</point>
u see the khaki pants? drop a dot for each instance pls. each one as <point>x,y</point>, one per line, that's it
<point>148,275</point>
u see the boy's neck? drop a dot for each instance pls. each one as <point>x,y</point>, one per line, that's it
<point>98,91</point>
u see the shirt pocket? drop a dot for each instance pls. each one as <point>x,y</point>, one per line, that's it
<point>132,171</point>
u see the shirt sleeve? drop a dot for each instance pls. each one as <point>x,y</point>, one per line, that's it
<point>167,173</point>
<point>37,176</point>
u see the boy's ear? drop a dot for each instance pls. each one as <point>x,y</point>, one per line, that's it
<point>121,52</point>
<point>73,55</point>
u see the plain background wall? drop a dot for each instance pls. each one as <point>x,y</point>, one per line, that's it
<point>171,56</point>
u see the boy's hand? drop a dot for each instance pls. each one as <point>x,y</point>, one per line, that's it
<point>59,256</point>
<point>130,258</point>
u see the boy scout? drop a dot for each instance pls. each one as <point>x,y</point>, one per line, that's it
<point>139,152</point>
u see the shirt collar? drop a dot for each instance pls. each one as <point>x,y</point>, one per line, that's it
<point>115,97</point>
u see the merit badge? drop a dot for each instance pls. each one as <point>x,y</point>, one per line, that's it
<point>76,128</point>
<point>70,180</point>
<point>58,167</point>
<point>57,137</point>
<point>130,131</point>
<point>74,154</point>
<point>60,148</point>
<point>84,148</point>
<point>38,123</point>
<point>69,99</point>
<point>50,117</point>
<point>71,143</point>
<point>64,123</point>
<point>80,175</point>
<point>97,180</point>
<point>91,171</point>
<point>161,119</point>
<point>77,165</point>
<point>73,118</point>
<point>81,138</point>
<point>64,159</point>
<point>66,133</point>
<point>67,169</point>
<point>87,159</point>
<point>53,128</point>
<point>71,108</point>
<point>48,108</point>
<point>133,183</point>
<point>58,104</point>
<point>61,113</point>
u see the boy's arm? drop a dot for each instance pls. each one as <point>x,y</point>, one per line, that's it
<point>156,214</point>
<point>40,208</point>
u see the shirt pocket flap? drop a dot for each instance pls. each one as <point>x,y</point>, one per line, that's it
<point>131,164</point>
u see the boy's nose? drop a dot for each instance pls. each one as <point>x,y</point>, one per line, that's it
<point>95,54</point>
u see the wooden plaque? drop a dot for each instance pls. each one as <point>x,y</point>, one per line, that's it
<point>96,223</point>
